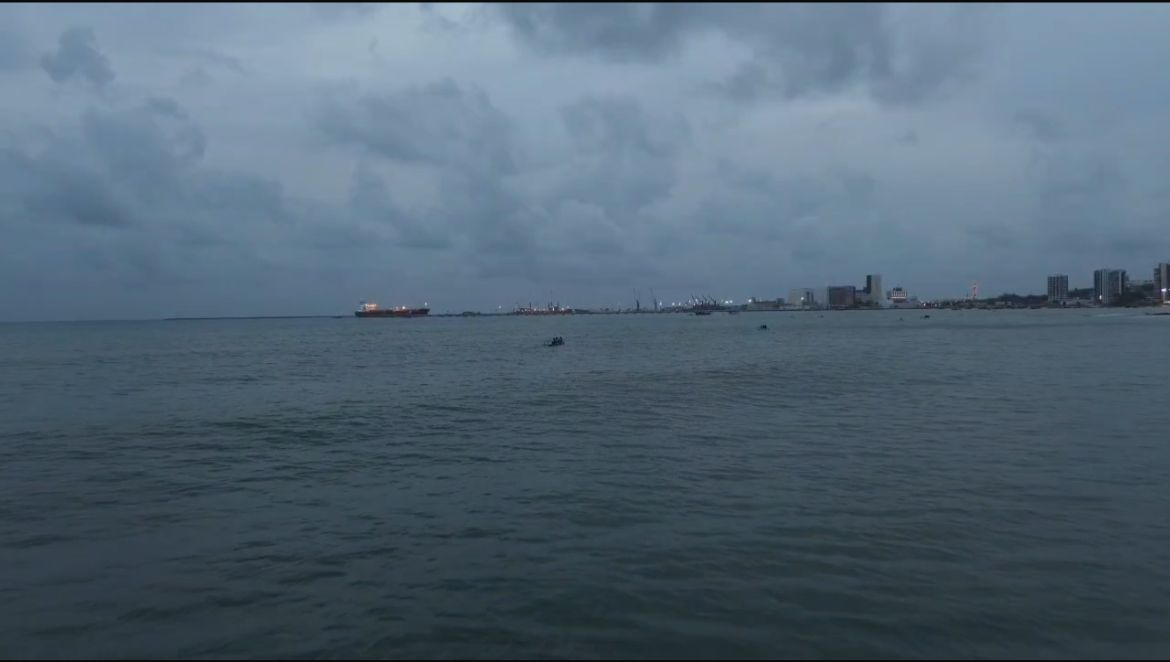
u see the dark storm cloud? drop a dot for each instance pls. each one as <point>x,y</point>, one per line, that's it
<point>450,165</point>
<point>1040,126</point>
<point>588,230</point>
<point>618,31</point>
<point>909,137</point>
<point>746,84</point>
<point>625,156</point>
<point>370,199</point>
<point>618,125</point>
<point>139,167</point>
<point>857,185</point>
<point>54,188</point>
<point>995,236</point>
<point>339,10</point>
<point>818,217</point>
<point>805,50</point>
<point>500,228</point>
<point>467,143</point>
<point>202,67</point>
<point>214,59</point>
<point>619,160</point>
<point>757,205</point>
<point>150,146</point>
<point>15,53</point>
<point>441,124</point>
<point>434,22</point>
<point>77,55</point>
<point>125,203</point>
<point>1080,202</point>
<point>1082,205</point>
<point>196,77</point>
<point>107,174</point>
<point>796,49</point>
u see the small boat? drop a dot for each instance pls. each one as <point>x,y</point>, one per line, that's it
<point>733,312</point>
<point>702,312</point>
<point>556,342</point>
<point>763,327</point>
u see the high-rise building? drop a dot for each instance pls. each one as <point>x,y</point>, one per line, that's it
<point>756,303</point>
<point>842,296</point>
<point>1108,286</point>
<point>1162,282</point>
<point>804,297</point>
<point>1057,288</point>
<point>873,289</point>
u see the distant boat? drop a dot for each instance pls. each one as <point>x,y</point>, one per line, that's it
<point>702,312</point>
<point>733,312</point>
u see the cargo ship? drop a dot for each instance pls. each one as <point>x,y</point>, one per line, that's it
<point>372,310</point>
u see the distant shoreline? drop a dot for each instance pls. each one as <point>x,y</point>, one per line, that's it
<point>678,312</point>
<point>1149,310</point>
<point>253,317</point>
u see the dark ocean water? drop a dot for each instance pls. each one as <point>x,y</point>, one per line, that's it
<point>869,484</point>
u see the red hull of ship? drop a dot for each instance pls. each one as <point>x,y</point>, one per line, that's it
<point>394,312</point>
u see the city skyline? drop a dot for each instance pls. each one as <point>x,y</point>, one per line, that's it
<point>1058,288</point>
<point>296,159</point>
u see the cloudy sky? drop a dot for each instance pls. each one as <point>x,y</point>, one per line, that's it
<point>232,159</point>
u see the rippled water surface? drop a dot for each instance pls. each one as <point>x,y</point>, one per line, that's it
<point>866,484</point>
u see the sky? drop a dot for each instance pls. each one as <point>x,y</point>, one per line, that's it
<point>233,159</point>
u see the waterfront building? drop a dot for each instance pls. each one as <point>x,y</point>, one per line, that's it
<point>873,289</point>
<point>1057,288</point>
<point>842,296</point>
<point>803,297</point>
<point>1162,283</point>
<point>754,304</point>
<point>1108,286</point>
